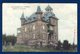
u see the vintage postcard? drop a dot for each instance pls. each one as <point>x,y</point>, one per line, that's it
<point>39,27</point>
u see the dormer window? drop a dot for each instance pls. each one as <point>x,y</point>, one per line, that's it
<point>33,17</point>
<point>29,19</point>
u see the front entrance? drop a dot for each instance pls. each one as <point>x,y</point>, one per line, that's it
<point>40,44</point>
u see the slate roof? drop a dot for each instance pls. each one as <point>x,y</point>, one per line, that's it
<point>22,15</point>
<point>38,9</point>
<point>48,8</point>
<point>45,17</point>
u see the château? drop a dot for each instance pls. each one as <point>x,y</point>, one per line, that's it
<point>40,29</point>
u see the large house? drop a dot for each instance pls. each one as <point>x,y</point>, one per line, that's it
<point>40,29</point>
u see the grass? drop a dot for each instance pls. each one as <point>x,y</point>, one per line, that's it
<point>20,48</point>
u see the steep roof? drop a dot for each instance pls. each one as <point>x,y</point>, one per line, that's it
<point>22,15</point>
<point>31,18</point>
<point>33,15</point>
<point>48,8</point>
<point>45,16</point>
<point>38,9</point>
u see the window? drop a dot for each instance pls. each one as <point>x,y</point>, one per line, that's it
<point>33,36</point>
<point>51,28</point>
<point>25,29</point>
<point>43,27</point>
<point>33,27</point>
<point>18,31</point>
<point>43,36</point>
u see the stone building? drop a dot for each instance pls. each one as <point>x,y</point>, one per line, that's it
<point>40,29</point>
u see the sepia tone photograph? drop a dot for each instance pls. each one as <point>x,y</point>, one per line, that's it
<point>39,27</point>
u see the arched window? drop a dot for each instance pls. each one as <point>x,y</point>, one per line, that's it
<point>33,27</point>
<point>34,36</point>
<point>25,29</point>
<point>43,27</point>
<point>51,28</point>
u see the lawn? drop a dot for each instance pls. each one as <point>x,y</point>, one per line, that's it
<point>20,48</point>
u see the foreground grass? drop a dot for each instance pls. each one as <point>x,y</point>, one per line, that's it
<point>19,48</point>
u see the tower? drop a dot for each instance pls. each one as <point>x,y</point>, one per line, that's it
<point>53,28</point>
<point>39,13</point>
<point>48,9</point>
<point>34,29</point>
<point>22,19</point>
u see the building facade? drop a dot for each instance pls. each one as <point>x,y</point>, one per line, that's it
<point>40,29</point>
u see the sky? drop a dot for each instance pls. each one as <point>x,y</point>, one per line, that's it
<point>65,12</point>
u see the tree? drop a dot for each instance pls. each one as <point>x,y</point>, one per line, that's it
<point>70,46</point>
<point>13,40</point>
<point>3,39</point>
<point>59,45</point>
<point>65,45</point>
<point>8,39</point>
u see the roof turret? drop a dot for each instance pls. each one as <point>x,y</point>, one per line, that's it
<point>38,9</point>
<point>48,8</point>
<point>22,15</point>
